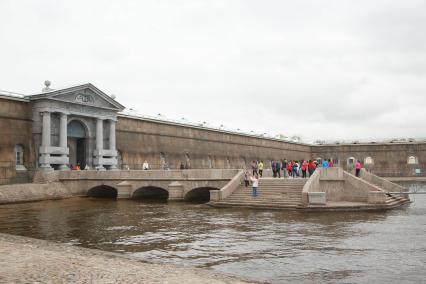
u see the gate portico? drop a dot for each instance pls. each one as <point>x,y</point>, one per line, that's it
<point>78,118</point>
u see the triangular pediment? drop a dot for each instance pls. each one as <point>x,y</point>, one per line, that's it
<point>86,94</point>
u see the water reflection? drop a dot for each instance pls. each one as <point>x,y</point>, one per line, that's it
<point>276,246</point>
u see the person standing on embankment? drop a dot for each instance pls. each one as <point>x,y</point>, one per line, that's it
<point>255,181</point>
<point>260,167</point>
<point>357,168</point>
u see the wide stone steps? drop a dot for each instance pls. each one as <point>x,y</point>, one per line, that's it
<point>395,200</point>
<point>271,193</point>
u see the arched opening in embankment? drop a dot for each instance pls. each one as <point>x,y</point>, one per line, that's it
<point>102,191</point>
<point>151,193</point>
<point>199,194</point>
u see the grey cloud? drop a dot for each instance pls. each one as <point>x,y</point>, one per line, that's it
<point>319,69</point>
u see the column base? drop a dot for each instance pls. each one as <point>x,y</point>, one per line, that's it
<point>113,168</point>
<point>64,168</point>
<point>46,168</point>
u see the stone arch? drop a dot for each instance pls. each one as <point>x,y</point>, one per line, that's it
<point>187,161</point>
<point>412,160</point>
<point>19,157</point>
<point>368,161</point>
<point>209,162</point>
<point>151,192</point>
<point>350,162</point>
<point>163,163</point>
<point>228,162</point>
<point>102,191</point>
<point>199,194</point>
<point>83,123</point>
<point>120,159</point>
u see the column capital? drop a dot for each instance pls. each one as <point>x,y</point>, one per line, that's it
<point>62,113</point>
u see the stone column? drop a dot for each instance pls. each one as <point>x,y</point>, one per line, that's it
<point>112,139</point>
<point>99,141</point>
<point>45,135</point>
<point>63,137</point>
<point>112,135</point>
<point>45,142</point>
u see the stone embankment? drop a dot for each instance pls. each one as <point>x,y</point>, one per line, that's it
<point>27,192</point>
<point>27,260</point>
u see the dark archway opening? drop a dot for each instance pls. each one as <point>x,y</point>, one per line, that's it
<point>77,141</point>
<point>102,191</point>
<point>200,194</point>
<point>151,193</point>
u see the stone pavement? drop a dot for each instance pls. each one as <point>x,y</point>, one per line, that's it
<point>27,260</point>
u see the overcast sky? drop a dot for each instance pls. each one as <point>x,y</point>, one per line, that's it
<point>318,69</point>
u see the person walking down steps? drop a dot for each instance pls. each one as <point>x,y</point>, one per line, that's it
<point>260,167</point>
<point>246,178</point>
<point>255,181</point>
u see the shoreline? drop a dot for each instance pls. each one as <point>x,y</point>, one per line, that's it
<point>24,259</point>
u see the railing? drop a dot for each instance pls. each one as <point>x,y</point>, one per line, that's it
<point>384,184</point>
<point>312,185</point>
<point>335,184</point>
<point>228,189</point>
<point>210,174</point>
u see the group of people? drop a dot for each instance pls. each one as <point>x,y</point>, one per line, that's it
<point>284,168</point>
<point>292,168</point>
<point>74,167</point>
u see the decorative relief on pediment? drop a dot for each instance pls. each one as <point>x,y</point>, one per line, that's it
<point>85,98</point>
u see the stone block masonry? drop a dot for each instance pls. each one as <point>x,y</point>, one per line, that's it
<point>27,260</point>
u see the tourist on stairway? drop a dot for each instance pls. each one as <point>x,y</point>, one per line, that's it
<point>255,181</point>
<point>254,167</point>
<point>290,168</point>
<point>311,167</point>
<point>357,168</point>
<point>274,170</point>
<point>260,167</point>
<point>325,164</point>
<point>145,166</point>
<point>304,167</point>
<point>284,168</point>
<point>246,178</point>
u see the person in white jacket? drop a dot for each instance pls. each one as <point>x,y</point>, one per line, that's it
<point>145,166</point>
<point>255,180</point>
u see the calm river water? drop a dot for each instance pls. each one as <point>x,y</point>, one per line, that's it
<point>272,246</point>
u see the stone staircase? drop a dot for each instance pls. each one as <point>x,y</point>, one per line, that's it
<point>272,193</point>
<point>393,201</point>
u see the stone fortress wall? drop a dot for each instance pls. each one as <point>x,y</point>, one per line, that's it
<point>15,130</point>
<point>166,145</point>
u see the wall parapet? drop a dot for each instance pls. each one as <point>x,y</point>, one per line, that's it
<point>335,184</point>
<point>208,174</point>
<point>384,184</point>
<point>228,189</point>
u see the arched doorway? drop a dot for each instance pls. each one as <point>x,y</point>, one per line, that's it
<point>200,194</point>
<point>102,191</point>
<point>77,143</point>
<point>151,193</point>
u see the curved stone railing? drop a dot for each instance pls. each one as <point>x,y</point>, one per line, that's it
<point>384,184</point>
<point>228,189</point>
<point>335,184</point>
<point>312,185</point>
<point>205,174</point>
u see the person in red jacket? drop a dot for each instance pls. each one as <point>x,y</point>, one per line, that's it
<point>311,167</point>
<point>357,168</point>
<point>330,163</point>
